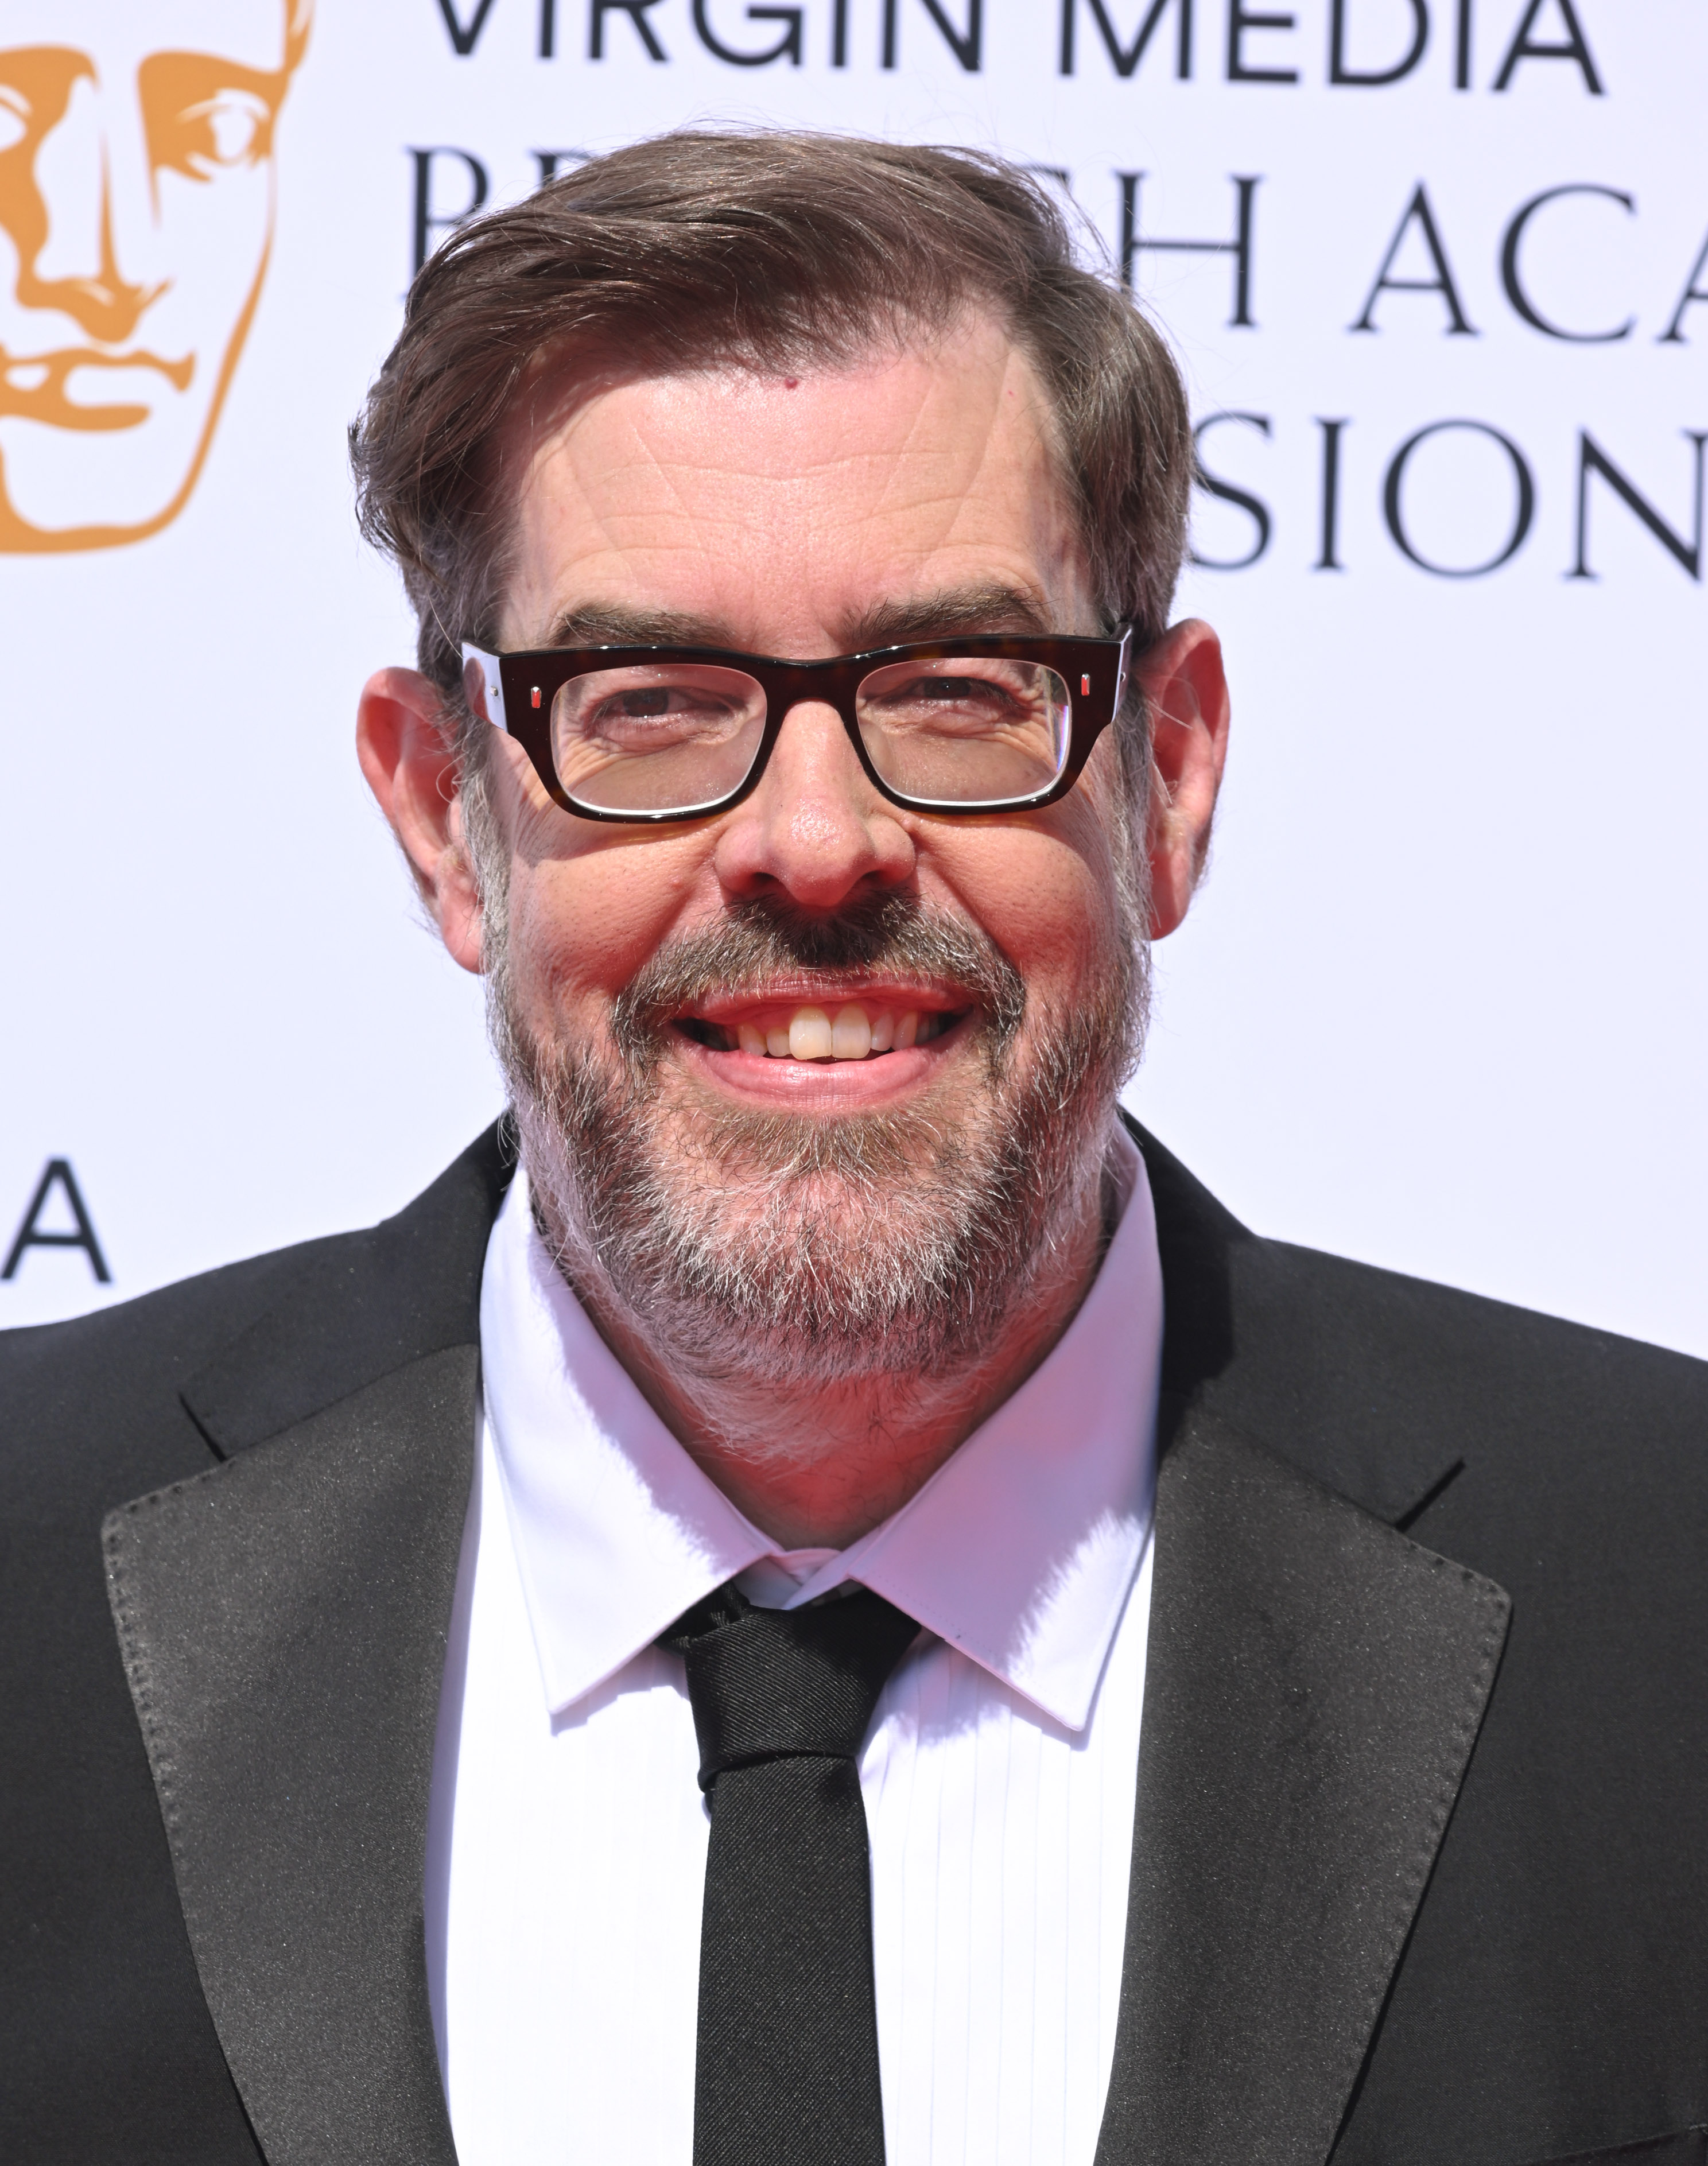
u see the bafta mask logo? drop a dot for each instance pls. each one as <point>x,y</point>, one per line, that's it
<point>137,206</point>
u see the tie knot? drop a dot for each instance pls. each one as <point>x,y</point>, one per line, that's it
<point>783,1684</point>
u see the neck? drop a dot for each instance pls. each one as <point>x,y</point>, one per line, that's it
<point>816,1466</point>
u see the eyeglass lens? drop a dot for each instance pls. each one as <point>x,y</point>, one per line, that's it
<point>679,736</point>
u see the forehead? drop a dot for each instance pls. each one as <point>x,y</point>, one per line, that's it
<point>795,502</point>
<point>115,38</point>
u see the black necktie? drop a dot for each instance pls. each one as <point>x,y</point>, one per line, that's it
<point>785,2071</point>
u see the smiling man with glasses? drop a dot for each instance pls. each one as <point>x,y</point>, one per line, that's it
<point>816,1599</point>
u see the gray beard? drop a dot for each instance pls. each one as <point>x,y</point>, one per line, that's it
<point>795,1254</point>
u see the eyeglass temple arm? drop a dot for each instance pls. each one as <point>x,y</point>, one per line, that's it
<point>481,674</point>
<point>1122,661</point>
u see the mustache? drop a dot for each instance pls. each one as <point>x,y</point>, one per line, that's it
<point>760,942</point>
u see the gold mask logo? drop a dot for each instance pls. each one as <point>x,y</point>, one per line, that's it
<point>136,208</point>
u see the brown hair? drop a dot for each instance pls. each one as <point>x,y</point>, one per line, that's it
<point>768,251</point>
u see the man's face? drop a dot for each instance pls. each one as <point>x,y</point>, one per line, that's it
<point>843,1210</point>
<point>136,210</point>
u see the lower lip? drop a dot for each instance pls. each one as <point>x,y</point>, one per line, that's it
<point>827,1086</point>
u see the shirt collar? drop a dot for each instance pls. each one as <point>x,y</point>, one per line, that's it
<point>1020,1551</point>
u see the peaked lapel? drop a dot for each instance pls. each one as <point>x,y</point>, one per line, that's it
<point>1313,1687</point>
<point>282,1619</point>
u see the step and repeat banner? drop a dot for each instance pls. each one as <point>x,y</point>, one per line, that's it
<point>1438,272</point>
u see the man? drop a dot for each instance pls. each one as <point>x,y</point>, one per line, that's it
<point>840,1609</point>
<point>136,207</point>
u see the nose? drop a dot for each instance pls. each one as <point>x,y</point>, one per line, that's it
<point>814,832</point>
<point>75,269</point>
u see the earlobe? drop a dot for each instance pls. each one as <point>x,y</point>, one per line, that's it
<point>404,742</point>
<point>1187,691</point>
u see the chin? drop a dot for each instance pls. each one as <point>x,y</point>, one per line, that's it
<point>97,488</point>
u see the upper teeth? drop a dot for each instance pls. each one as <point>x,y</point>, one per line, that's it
<point>813,1033</point>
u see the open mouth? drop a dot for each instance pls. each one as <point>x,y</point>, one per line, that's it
<point>808,1031</point>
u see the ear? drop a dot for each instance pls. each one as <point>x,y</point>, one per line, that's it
<point>402,739</point>
<point>1186,693</point>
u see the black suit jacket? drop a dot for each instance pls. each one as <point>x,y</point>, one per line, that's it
<point>1421,1859</point>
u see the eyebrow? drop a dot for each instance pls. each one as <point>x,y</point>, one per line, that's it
<point>610,624</point>
<point>990,607</point>
<point>894,622</point>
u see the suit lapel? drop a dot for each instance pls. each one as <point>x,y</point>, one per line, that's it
<point>1313,1687</point>
<point>282,1619</point>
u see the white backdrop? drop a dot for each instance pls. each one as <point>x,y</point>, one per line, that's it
<point>1441,1004</point>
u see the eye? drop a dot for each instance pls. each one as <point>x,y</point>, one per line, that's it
<point>234,125</point>
<point>36,83</point>
<point>948,690</point>
<point>939,698</point>
<point>206,115</point>
<point>14,118</point>
<point>632,712</point>
<point>685,707</point>
<point>217,134</point>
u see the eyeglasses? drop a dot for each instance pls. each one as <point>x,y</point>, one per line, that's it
<point>983,724</point>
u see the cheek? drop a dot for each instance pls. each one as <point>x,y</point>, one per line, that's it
<point>1045,891</point>
<point>216,233</point>
<point>580,927</point>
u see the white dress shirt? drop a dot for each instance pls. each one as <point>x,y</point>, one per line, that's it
<point>568,1835</point>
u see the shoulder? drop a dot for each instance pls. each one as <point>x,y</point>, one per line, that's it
<point>1560,1935</point>
<point>1372,1347</point>
<point>91,1407</point>
<point>1378,1385</point>
<point>1568,1465</point>
<point>93,1413</point>
<point>106,1407</point>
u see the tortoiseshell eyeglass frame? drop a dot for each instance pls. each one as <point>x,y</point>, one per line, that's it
<point>514,692</point>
